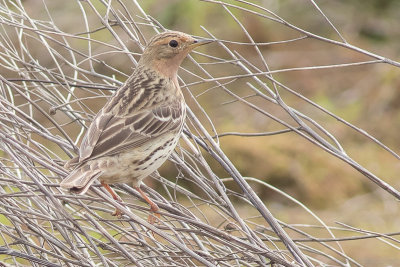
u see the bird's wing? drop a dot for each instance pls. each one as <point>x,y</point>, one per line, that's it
<point>93,133</point>
<point>112,134</point>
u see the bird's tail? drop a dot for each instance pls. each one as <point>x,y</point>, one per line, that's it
<point>80,180</point>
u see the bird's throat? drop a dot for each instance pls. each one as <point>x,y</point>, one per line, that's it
<point>167,68</point>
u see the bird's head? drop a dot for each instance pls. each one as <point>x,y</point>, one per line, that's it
<point>166,51</point>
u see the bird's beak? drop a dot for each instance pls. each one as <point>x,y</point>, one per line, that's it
<point>199,42</point>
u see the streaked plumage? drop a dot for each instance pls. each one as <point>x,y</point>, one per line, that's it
<point>140,125</point>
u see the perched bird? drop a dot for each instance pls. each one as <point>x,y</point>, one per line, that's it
<point>140,125</point>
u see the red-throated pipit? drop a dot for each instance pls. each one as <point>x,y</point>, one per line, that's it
<point>140,125</point>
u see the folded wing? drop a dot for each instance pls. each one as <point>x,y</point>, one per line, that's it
<point>109,135</point>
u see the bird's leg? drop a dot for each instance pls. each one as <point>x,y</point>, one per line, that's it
<point>117,211</point>
<point>153,206</point>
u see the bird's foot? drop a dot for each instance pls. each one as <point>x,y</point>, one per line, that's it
<point>154,216</point>
<point>117,213</point>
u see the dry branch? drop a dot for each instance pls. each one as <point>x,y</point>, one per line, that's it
<point>51,81</point>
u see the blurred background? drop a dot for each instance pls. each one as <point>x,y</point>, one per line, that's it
<point>367,96</point>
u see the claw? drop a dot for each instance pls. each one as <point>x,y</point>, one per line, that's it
<point>117,213</point>
<point>154,217</point>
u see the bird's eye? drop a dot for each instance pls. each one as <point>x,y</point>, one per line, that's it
<point>173,43</point>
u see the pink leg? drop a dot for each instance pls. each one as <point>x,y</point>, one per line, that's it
<point>153,206</point>
<point>117,212</point>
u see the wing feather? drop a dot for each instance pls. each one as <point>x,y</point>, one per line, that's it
<point>93,134</point>
<point>109,135</point>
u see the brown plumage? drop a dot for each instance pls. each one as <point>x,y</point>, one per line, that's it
<point>140,125</point>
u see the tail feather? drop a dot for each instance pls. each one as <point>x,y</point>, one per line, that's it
<point>80,180</point>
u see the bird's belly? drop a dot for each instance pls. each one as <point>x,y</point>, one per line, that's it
<point>134,165</point>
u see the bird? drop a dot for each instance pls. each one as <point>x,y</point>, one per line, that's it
<point>139,126</point>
